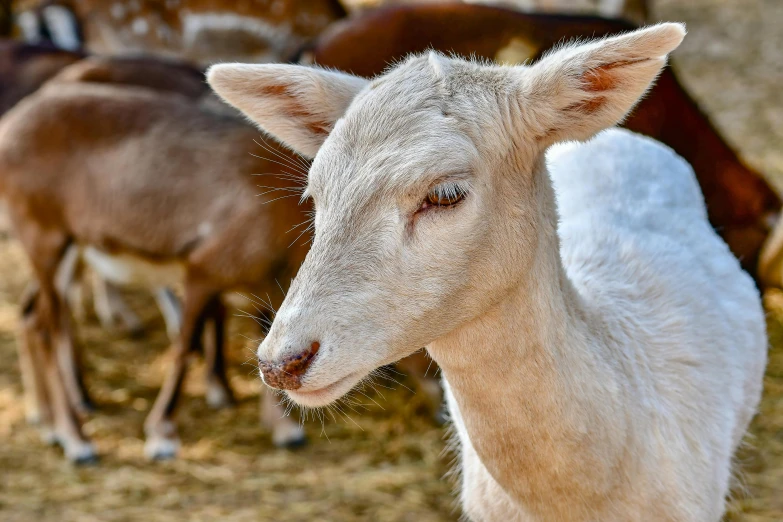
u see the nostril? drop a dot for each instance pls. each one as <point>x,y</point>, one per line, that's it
<point>298,364</point>
<point>287,374</point>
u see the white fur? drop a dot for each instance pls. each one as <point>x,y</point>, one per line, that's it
<point>126,269</point>
<point>140,26</point>
<point>117,11</point>
<point>63,25</point>
<point>611,8</point>
<point>602,350</point>
<point>171,309</point>
<point>30,25</point>
<point>194,25</point>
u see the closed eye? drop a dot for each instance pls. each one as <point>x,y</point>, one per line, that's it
<point>443,195</point>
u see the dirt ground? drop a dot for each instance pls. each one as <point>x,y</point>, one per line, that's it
<point>386,463</point>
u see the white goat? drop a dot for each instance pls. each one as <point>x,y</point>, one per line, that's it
<point>602,362</point>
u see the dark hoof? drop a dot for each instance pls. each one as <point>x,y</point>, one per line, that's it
<point>162,457</point>
<point>81,453</point>
<point>293,444</point>
<point>84,410</point>
<point>87,407</point>
<point>88,460</point>
<point>137,332</point>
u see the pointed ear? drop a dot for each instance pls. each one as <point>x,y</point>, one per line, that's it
<point>578,90</point>
<point>295,104</point>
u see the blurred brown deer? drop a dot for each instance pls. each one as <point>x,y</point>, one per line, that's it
<point>740,203</point>
<point>25,67</point>
<point>200,31</point>
<point>152,182</point>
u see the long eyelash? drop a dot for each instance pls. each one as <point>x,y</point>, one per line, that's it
<point>449,190</point>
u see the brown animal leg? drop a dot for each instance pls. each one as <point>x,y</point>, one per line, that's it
<point>219,394</point>
<point>160,429</point>
<point>68,359</point>
<point>63,388</point>
<point>57,350</point>
<point>37,408</point>
<point>67,356</point>
<point>56,347</point>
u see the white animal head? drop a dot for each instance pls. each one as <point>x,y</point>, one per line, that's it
<point>428,184</point>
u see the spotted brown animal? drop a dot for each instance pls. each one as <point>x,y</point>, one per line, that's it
<point>201,31</point>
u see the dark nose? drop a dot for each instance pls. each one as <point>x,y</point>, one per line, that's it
<point>287,374</point>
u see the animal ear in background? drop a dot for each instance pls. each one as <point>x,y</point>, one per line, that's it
<point>297,105</point>
<point>579,90</point>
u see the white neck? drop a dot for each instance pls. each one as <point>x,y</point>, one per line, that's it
<point>538,387</point>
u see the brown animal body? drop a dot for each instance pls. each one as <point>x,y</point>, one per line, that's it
<point>739,201</point>
<point>24,68</point>
<point>202,31</point>
<point>154,181</point>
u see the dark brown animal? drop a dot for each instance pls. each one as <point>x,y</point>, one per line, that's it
<point>740,203</point>
<point>636,11</point>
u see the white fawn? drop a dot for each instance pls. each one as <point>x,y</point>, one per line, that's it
<point>602,350</point>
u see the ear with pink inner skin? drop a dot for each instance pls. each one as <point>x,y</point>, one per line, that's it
<point>576,91</point>
<point>297,105</point>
